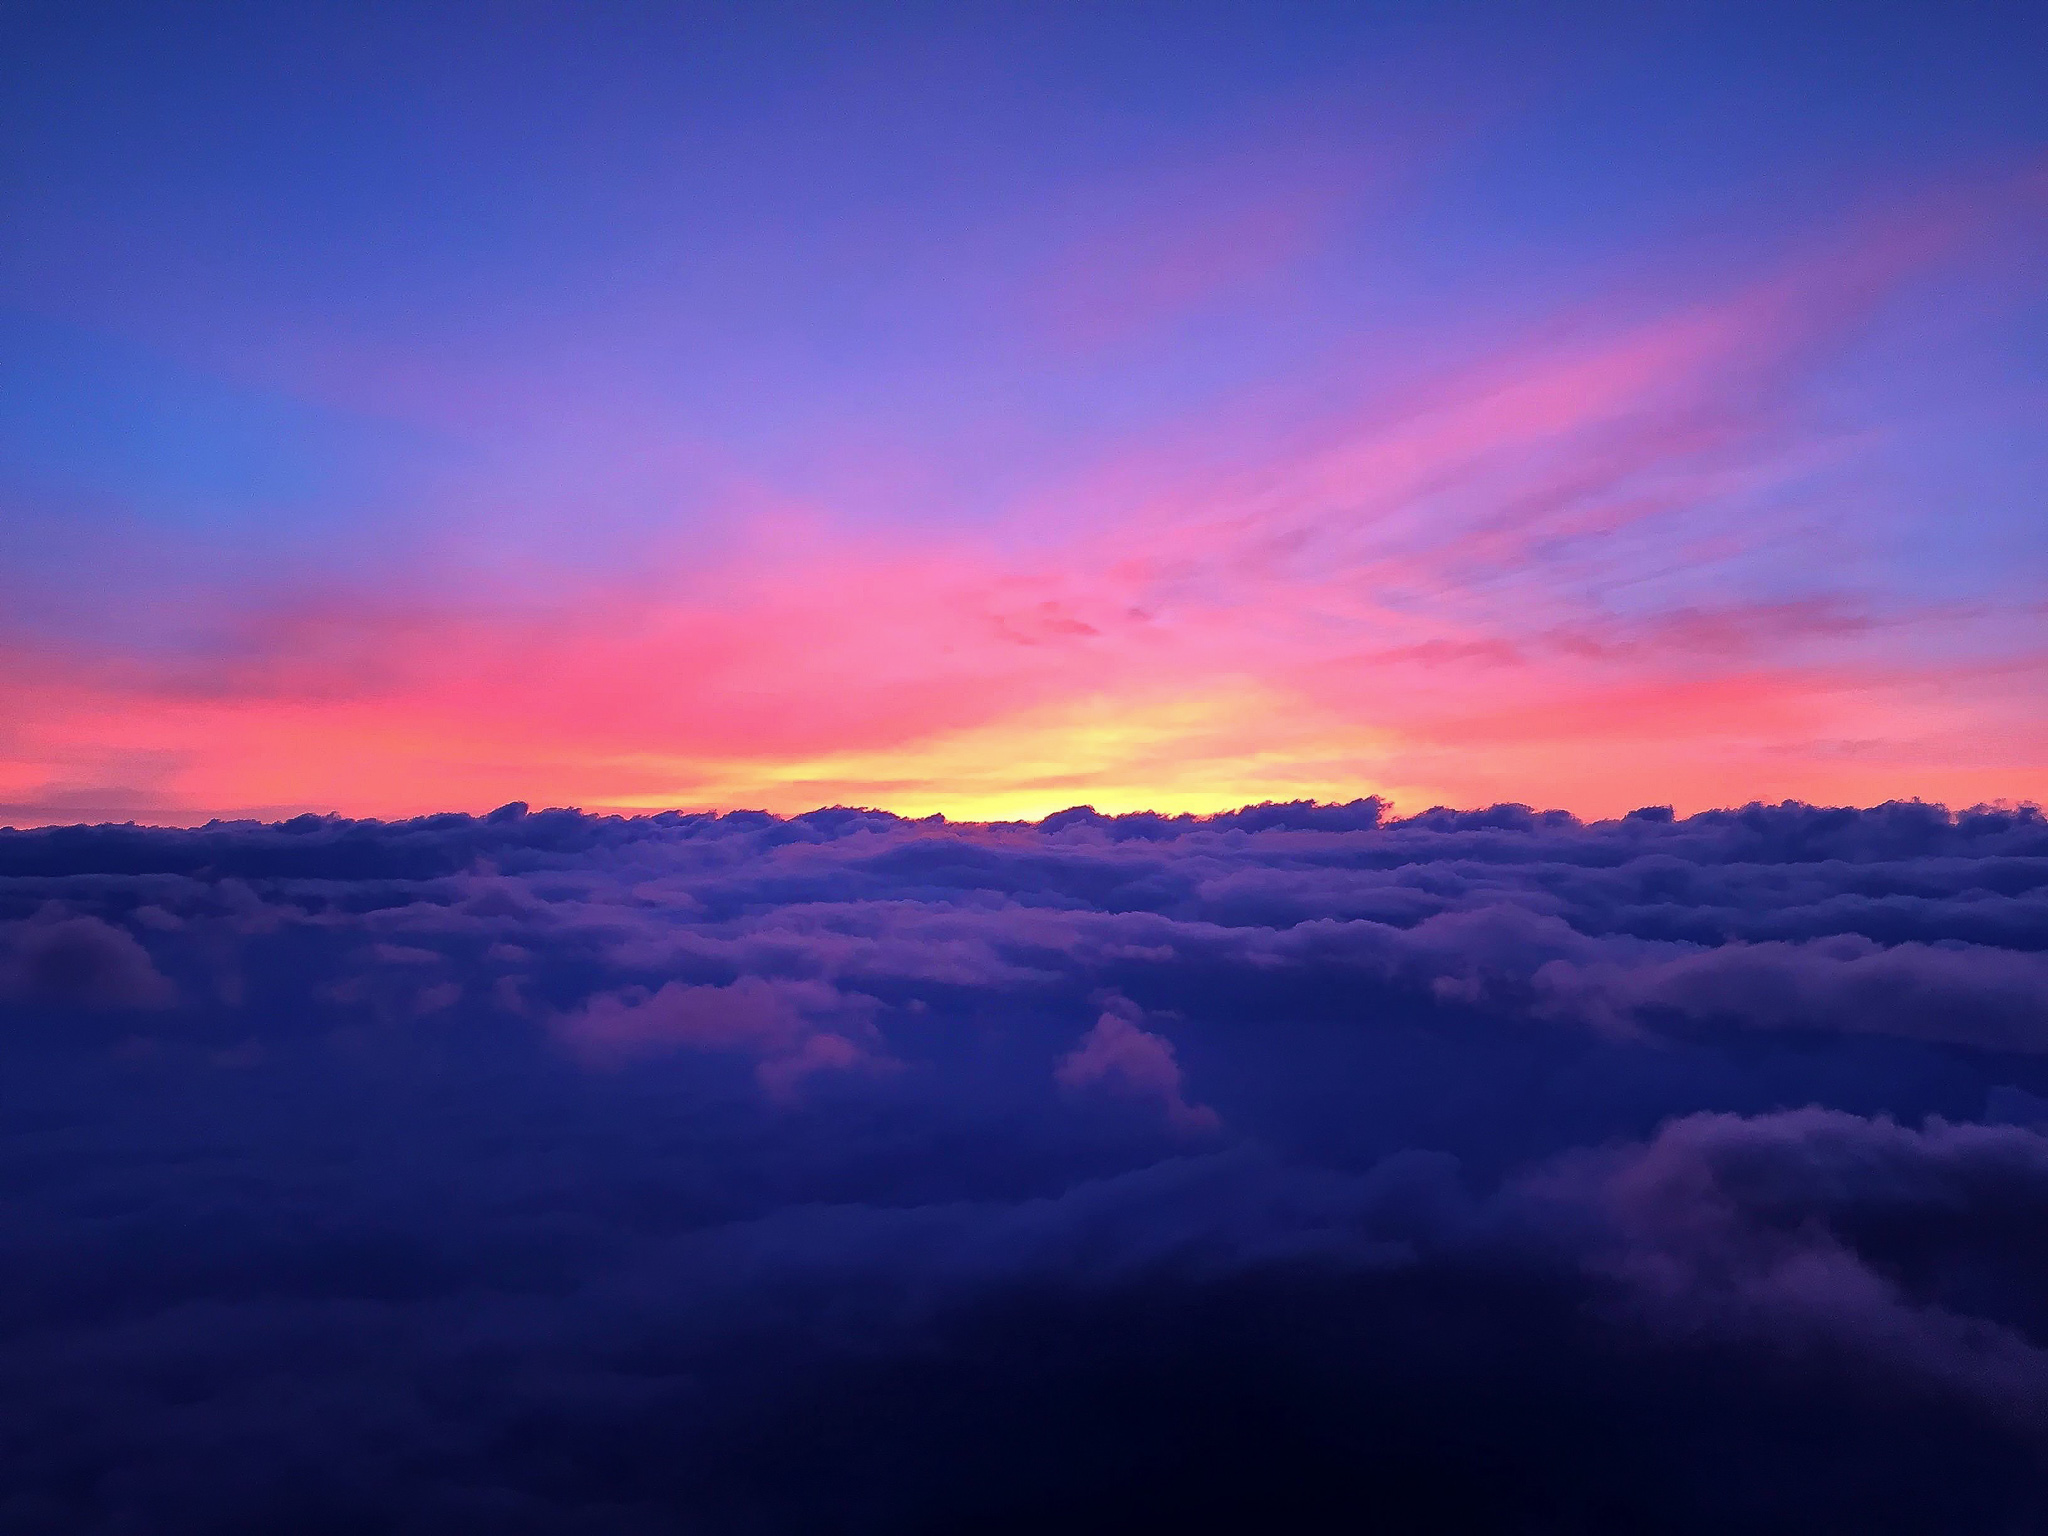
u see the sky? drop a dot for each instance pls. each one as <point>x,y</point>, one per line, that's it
<point>983,410</point>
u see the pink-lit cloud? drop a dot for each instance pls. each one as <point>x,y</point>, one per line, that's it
<point>1121,1056</point>
<point>791,1029</point>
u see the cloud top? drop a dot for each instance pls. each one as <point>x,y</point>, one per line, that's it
<point>544,1171</point>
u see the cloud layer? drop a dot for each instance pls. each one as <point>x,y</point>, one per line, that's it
<point>1472,1171</point>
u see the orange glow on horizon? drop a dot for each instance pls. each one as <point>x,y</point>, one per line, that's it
<point>1485,589</point>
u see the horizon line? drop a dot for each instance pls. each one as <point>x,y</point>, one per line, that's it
<point>1384,813</point>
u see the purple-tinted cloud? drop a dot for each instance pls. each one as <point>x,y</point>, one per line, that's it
<point>547,1171</point>
<point>1120,1055</point>
<point>59,961</point>
<point>781,1023</point>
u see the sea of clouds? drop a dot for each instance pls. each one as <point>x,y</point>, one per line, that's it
<point>1296,1169</point>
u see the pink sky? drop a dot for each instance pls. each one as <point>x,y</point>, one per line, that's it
<point>1189,482</point>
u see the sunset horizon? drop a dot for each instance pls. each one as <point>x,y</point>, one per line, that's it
<point>802,768</point>
<point>1374,425</point>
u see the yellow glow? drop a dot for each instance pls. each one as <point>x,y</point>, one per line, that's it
<point>1169,755</point>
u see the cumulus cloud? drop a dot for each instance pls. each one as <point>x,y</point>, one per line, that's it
<point>1965,993</point>
<point>59,961</point>
<point>1464,1171</point>
<point>1117,1053</point>
<point>776,1022</point>
<point>1892,1244</point>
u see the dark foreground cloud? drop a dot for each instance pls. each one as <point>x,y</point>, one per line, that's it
<point>1298,1169</point>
